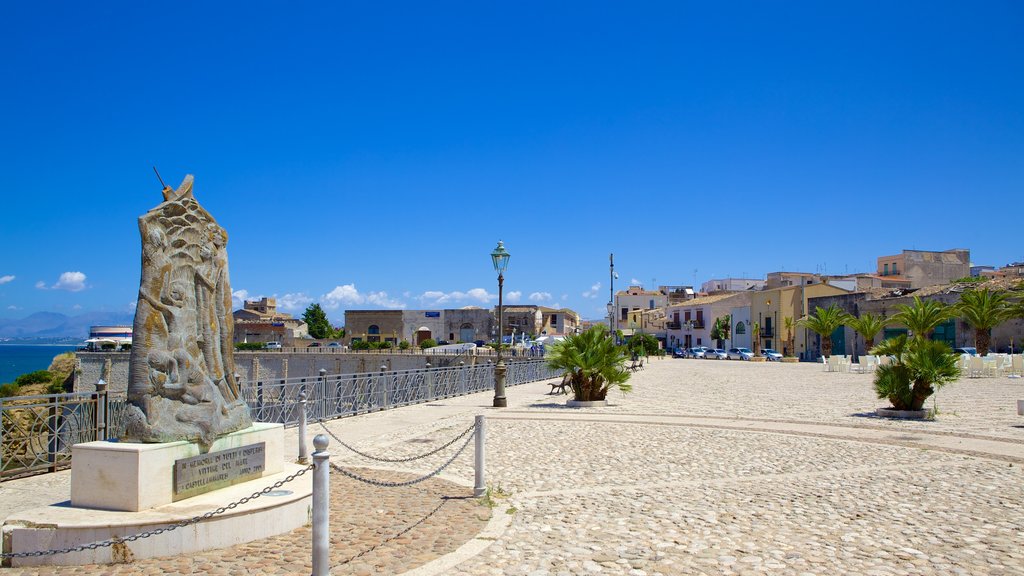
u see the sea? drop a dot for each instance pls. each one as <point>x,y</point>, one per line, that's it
<point>18,359</point>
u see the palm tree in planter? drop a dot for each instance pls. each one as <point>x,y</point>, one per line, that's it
<point>592,362</point>
<point>983,310</point>
<point>756,339</point>
<point>920,367</point>
<point>923,316</point>
<point>824,322</point>
<point>868,325</point>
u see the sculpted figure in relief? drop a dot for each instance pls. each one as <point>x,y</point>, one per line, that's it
<point>181,375</point>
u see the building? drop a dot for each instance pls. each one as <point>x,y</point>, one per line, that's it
<point>689,324</point>
<point>785,279</point>
<point>677,294</point>
<point>109,337</point>
<point>260,321</point>
<point>647,321</point>
<point>636,298</point>
<point>470,324</point>
<point>925,268</point>
<point>732,285</point>
<point>769,309</point>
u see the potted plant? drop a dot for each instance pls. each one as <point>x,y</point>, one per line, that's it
<point>593,365</point>
<point>757,357</point>
<point>790,346</point>
<point>919,368</point>
<point>824,322</point>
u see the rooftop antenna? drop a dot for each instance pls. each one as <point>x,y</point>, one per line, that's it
<point>166,189</point>
<point>157,172</point>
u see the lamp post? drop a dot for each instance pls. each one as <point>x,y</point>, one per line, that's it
<point>500,260</point>
<point>611,297</point>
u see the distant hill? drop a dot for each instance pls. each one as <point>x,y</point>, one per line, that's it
<point>56,325</point>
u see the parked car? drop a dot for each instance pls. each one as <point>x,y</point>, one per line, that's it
<point>697,352</point>
<point>969,350</point>
<point>715,354</point>
<point>273,346</point>
<point>314,345</point>
<point>334,345</point>
<point>740,354</point>
<point>679,352</point>
<point>771,355</point>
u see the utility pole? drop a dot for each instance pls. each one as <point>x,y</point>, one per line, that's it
<point>611,296</point>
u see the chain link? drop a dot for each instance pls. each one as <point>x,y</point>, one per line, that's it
<point>397,460</point>
<point>157,531</point>
<point>385,484</point>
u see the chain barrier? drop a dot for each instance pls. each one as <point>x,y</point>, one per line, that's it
<point>405,531</point>
<point>396,460</point>
<point>175,526</point>
<point>385,484</point>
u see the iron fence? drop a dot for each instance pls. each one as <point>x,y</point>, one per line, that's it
<point>339,395</point>
<point>37,432</point>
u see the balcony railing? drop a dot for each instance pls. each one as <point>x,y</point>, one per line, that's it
<point>767,333</point>
<point>672,325</point>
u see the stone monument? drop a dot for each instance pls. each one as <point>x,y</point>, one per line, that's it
<point>181,383</point>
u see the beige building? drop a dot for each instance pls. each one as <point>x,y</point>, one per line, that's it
<point>539,320</point>
<point>785,279</point>
<point>470,324</point>
<point>770,308</point>
<point>922,268</point>
<point>260,321</point>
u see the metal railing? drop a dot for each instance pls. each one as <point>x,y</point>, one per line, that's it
<point>338,395</point>
<point>37,432</point>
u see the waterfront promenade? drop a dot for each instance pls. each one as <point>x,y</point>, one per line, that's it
<point>708,467</point>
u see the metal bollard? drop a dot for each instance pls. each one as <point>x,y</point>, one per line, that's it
<point>303,449</point>
<point>479,483</point>
<point>321,506</point>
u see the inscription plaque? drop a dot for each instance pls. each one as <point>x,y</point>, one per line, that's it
<point>215,470</point>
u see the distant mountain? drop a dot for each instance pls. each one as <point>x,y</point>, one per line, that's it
<point>56,325</point>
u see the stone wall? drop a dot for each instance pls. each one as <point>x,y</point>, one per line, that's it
<point>273,365</point>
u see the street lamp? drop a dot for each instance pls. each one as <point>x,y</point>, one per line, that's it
<point>500,260</point>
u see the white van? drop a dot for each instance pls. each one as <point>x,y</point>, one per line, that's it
<point>273,346</point>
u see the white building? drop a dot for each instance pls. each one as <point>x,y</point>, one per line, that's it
<point>689,324</point>
<point>732,285</point>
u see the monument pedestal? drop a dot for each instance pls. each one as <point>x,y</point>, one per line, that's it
<point>121,489</point>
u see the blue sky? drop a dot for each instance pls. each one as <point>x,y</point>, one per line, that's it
<point>370,155</point>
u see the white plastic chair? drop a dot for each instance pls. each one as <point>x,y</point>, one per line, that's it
<point>1016,365</point>
<point>976,367</point>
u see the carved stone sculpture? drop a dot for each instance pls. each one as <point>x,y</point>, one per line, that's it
<point>181,383</point>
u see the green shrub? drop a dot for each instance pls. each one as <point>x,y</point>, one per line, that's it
<point>248,345</point>
<point>37,377</point>
<point>383,345</point>
<point>428,343</point>
<point>404,345</point>
<point>9,389</point>
<point>126,346</point>
<point>55,387</point>
<point>360,345</point>
<point>108,347</point>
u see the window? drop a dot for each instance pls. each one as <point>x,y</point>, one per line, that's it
<point>885,270</point>
<point>700,317</point>
<point>650,306</point>
<point>373,329</point>
<point>625,314</point>
<point>740,328</point>
<point>895,272</point>
<point>554,319</point>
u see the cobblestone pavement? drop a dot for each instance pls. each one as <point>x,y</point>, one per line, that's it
<point>628,489</point>
<point>367,525</point>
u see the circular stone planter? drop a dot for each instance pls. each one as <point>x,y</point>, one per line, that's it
<point>585,404</point>
<point>758,359</point>
<point>790,360</point>
<point>925,414</point>
<point>1020,407</point>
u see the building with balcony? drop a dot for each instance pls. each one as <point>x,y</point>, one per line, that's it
<point>769,309</point>
<point>785,279</point>
<point>689,324</point>
<point>470,324</point>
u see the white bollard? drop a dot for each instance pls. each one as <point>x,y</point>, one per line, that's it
<point>303,449</point>
<point>479,484</point>
<point>321,507</point>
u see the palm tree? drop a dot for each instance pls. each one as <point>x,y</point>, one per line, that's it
<point>920,368</point>
<point>923,316</point>
<point>983,310</point>
<point>593,363</point>
<point>790,325</point>
<point>720,329</point>
<point>824,322</point>
<point>867,325</point>
<point>756,338</point>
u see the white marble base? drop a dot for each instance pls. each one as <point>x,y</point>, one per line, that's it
<point>134,477</point>
<point>585,403</point>
<point>61,526</point>
<point>1020,407</point>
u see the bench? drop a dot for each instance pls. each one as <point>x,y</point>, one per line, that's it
<point>560,387</point>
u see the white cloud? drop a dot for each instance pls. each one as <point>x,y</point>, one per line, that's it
<point>348,295</point>
<point>592,293</point>
<point>540,296</point>
<point>41,285</point>
<point>565,296</point>
<point>514,297</point>
<point>13,307</point>
<point>133,305</point>
<point>76,307</point>
<point>70,281</point>
<point>238,298</point>
<point>635,282</point>
<point>294,302</point>
<point>6,279</point>
<point>434,298</point>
